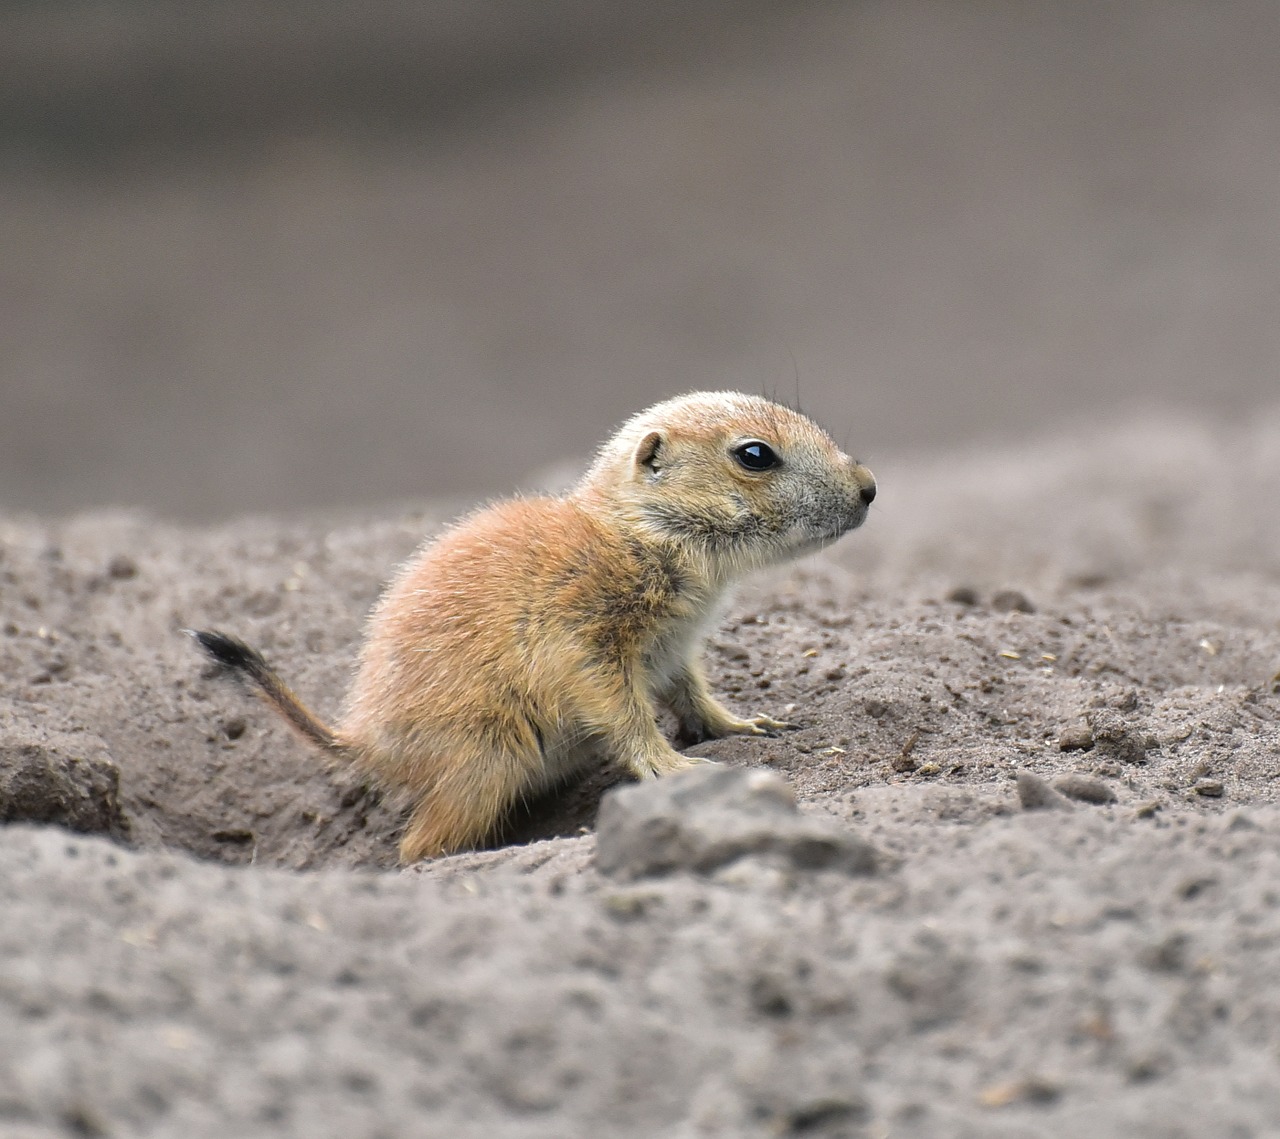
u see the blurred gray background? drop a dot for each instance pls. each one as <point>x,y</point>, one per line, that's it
<point>282,255</point>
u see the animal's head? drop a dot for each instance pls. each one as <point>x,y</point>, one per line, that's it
<point>748,481</point>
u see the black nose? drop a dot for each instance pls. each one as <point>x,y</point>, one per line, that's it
<point>868,494</point>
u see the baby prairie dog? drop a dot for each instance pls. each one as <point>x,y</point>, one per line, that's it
<point>539,636</point>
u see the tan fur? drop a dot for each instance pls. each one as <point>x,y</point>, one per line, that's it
<point>539,635</point>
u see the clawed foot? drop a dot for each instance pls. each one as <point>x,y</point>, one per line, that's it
<point>653,766</point>
<point>759,726</point>
<point>698,731</point>
<point>678,762</point>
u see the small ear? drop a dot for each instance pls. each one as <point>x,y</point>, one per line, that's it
<point>647,452</point>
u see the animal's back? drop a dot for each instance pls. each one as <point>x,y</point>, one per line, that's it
<point>496,630</point>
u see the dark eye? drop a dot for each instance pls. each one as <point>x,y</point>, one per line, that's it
<point>756,456</point>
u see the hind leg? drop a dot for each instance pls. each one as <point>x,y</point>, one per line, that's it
<point>462,810</point>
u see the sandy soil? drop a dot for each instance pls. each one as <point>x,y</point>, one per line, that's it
<point>241,959</point>
<point>1037,694</point>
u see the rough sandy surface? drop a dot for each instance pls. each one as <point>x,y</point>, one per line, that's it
<point>244,961</point>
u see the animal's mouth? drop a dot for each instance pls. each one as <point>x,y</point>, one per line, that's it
<point>819,538</point>
<point>851,521</point>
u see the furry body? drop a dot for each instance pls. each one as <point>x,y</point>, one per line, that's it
<point>538,635</point>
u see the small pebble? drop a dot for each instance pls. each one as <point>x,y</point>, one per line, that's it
<point>1144,1068</point>
<point>1193,887</point>
<point>1078,737</point>
<point>963,595</point>
<point>1118,739</point>
<point>1032,1089</point>
<point>1086,789</point>
<point>1169,955</point>
<point>122,567</point>
<point>627,906</point>
<point>236,836</point>
<point>1012,601</point>
<point>1209,788</point>
<point>1035,794</point>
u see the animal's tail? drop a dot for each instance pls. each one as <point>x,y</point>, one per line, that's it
<point>233,653</point>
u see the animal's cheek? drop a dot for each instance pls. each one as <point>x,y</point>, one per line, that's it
<point>754,497</point>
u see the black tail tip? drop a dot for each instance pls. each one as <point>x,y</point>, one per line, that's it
<point>225,649</point>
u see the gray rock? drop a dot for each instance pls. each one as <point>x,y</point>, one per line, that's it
<point>1078,737</point>
<point>1085,788</point>
<point>1012,601</point>
<point>1036,794</point>
<point>68,780</point>
<point>703,819</point>
<point>1117,738</point>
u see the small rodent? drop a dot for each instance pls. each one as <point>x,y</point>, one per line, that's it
<point>539,635</point>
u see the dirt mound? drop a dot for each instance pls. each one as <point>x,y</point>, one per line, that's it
<point>1083,624</point>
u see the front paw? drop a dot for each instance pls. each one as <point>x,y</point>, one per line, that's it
<point>765,726</point>
<point>686,763</point>
<point>653,767</point>
<point>756,726</point>
<point>714,728</point>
